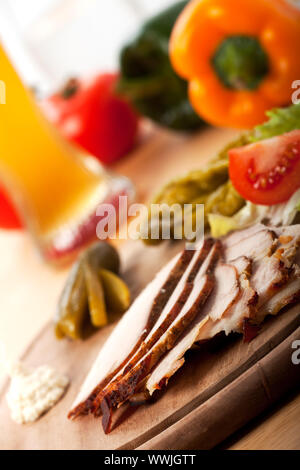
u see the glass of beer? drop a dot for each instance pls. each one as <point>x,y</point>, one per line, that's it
<point>55,186</point>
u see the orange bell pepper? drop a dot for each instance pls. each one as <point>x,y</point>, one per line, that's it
<point>239,56</point>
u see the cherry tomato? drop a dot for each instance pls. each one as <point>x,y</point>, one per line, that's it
<point>91,114</point>
<point>9,218</point>
<point>267,172</point>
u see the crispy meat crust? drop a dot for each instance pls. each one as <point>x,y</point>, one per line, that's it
<point>148,343</point>
<point>158,304</point>
<point>121,390</point>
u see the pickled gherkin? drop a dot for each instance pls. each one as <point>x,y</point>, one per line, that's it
<point>209,186</point>
<point>193,185</point>
<point>225,201</point>
<point>92,291</point>
<point>73,305</point>
<point>95,295</point>
<point>116,292</point>
<point>103,255</point>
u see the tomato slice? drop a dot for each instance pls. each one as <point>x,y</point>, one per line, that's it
<point>267,172</point>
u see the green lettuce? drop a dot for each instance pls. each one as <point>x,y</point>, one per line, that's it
<point>250,214</point>
<point>281,120</point>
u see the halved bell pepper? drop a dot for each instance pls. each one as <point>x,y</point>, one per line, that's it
<point>240,57</point>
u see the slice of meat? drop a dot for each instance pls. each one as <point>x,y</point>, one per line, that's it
<point>269,271</point>
<point>130,331</point>
<point>237,236</point>
<point>288,232</point>
<point>176,301</point>
<point>216,306</point>
<point>243,265</point>
<point>166,317</point>
<point>244,307</point>
<point>263,243</point>
<point>289,242</point>
<point>126,387</point>
<point>226,291</point>
<point>287,296</point>
<point>270,275</point>
<point>281,295</point>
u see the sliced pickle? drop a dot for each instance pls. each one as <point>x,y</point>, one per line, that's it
<point>95,293</point>
<point>194,184</point>
<point>209,185</point>
<point>103,255</point>
<point>73,305</point>
<point>91,289</point>
<point>117,295</point>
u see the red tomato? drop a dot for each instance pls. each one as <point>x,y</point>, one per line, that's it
<point>93,115</point>
<point>267,172</point>
<point>9,218</point>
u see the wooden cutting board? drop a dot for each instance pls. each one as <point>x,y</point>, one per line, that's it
<point>207,371</point>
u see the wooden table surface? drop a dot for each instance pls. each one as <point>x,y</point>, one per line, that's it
<point>29,288</point>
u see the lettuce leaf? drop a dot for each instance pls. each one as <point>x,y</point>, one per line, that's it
<point>250,214</point>
<point>281,120</point>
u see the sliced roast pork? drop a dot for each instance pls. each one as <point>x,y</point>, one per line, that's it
<point>232,320</point>
<point>130,331</point>
<point>271,288</point>
<point>272,253</point>
<point>167,314</point>
<point>288,295</point>
<point>270,272</point>
<point>226,286</point>
<point>258,245</point>
<point>186,309</point>
<point>238,236</point>
<point>289,242</point>
<point>225,294</point>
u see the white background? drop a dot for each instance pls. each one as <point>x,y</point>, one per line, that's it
<point>51,40</point>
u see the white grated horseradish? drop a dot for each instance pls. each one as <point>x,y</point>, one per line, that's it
<point>33,392</point>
